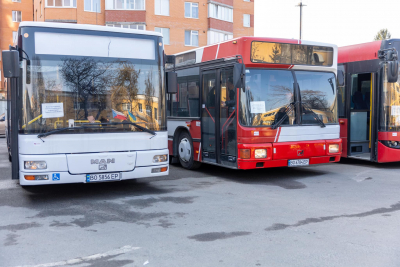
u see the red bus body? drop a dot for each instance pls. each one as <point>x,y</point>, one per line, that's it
<point>282,144</point>
<point>358,62</point>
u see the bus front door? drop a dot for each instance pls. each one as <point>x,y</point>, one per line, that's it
<point>218,125</point>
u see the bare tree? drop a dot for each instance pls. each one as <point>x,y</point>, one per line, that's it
<point>89,80</point>
<point>125,86</point>
<point>382,35</point>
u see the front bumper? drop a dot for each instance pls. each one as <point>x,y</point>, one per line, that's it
<point>67,178</point>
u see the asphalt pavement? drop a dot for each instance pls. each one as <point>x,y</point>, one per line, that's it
<point>341,214</point>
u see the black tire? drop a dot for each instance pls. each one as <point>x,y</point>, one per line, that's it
<point>187,161</point>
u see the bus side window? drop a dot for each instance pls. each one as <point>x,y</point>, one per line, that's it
<point>186,103</point>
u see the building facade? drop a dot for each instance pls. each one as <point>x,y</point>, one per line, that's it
<point>185,24</point>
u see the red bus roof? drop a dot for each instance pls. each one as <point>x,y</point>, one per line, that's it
<point>359,52</point>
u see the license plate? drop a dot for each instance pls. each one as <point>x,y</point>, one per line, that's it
<point>103,177</point>
<point>298,162</point>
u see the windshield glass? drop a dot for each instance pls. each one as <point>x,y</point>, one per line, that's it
<point>70,91</point>
<point>318,96</point>
<point>390,111</point>
<point>269,93</point>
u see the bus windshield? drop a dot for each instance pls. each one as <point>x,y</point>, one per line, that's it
<point>71,91</point>
<point>390,114</point>
<point>269,93</point>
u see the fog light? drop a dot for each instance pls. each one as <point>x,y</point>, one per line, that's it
<point>35,165</point>
<point>36,177</point>
<point>160,158</point>
<point>157,170</point>
<point>333,148</point>
<point>244,153</point>
<point>260,153</point>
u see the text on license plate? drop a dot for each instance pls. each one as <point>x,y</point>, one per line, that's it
<point>101,177</point>
<point>298,162</point>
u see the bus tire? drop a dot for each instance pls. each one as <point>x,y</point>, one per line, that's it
<point>185,152</point>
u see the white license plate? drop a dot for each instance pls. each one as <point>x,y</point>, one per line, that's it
<point>103,177</point>
<point>298,162</point>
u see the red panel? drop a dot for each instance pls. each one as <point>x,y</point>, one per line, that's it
<point>359,52</point>
<point>170,148</point>
<point>343,135</point>
<point>228,49</point>
<point>333,141</point>
<point>209,53</point>
<point>246,134</point>
<point>389,136</point>
<point>292,150</point>
<point>387,154</point>
<point>194,129</point>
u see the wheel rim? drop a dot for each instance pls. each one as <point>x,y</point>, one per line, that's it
<point>185,150</point>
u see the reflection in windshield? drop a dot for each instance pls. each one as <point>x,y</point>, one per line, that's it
<point>89,90</point>
<point>390,115</point>
<point>269,93</point>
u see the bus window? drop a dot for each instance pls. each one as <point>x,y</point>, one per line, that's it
<point>186,102</point>
<point>341,94</point>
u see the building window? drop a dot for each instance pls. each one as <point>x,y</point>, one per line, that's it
<point>155,113</point>
<point>246,20</point>
<point>16,16</point>
<point>191,10</point>
<point>162,7</point>
<point>148,110</point>
<point>192,38</point>
<point>140,107</point>
<point>165,33</point>
<point>125,4</point>
<point>246,0</point>
<point>17,1</point>
<point>93,6</point>
<point>220,12</point>
<point>61,3</point>
<point>15,37</point>
<point>217,37</point>
<point>126,106</point>
<point>129,26</point>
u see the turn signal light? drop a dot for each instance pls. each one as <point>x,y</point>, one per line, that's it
<point>36,177</point>
<point>157,170</point>
<point>244,153</point>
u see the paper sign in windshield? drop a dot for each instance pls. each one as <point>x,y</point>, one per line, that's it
<point>257,107</point>
<point>52,110</point>
<point>395,110</point>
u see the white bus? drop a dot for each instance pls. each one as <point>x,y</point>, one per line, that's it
<point>87,104</point>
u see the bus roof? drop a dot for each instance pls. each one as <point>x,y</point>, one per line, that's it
<point>359,52</point>
<point>242,46</point>
<point>85,27</point>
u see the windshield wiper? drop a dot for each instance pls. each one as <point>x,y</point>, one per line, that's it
<point>315,115</point>
<point>63,129</point>
<point>131,123</point>
<point>288,109</point>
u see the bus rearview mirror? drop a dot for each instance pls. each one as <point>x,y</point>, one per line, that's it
<point>172,82</point>
<point>238,74</point>
<point>10,63</point>
<point>392,71</point>
<point>340,78</point>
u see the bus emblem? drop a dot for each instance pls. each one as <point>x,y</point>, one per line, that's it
<point>300,152</point>
<point>102,163</point>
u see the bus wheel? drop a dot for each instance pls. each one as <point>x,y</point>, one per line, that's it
<point>185,149</point>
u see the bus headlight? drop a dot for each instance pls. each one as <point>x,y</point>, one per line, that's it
<point>160,158</point>
<point>35,165</point>
<point>333,148</point>
<point>260,153</point>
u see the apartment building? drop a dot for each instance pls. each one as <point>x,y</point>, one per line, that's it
<point>12,12</point>
<point>185,24</point>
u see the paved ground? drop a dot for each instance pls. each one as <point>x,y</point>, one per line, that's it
<point>343,214</point>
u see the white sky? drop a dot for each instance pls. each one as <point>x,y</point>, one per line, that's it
<point>341,22</point>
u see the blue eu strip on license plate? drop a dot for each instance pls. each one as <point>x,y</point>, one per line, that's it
<point>103,177</point>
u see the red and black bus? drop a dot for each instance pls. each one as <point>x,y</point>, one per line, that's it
<point>369,101</point>
<point>253,103</point>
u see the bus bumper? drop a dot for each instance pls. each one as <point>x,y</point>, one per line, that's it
<point>256,164</point>
<point>67,178</point>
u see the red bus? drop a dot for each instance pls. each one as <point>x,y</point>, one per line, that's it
<point>253,103</point>
<point>369,101</point>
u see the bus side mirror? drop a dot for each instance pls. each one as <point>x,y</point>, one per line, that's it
<point>10,64</point>
<point>238,74</point>
<point>340,78</point>
<point>392,71</point>
<point>172,82</point>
